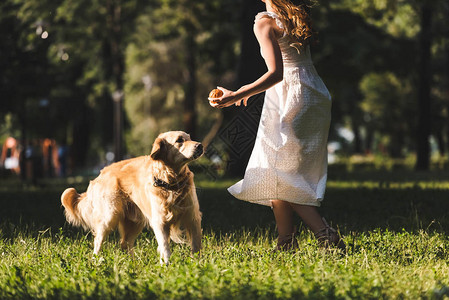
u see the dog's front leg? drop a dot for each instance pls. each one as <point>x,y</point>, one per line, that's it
<point>162,233</point>
<point>192,222</point>
<point>98,240</point>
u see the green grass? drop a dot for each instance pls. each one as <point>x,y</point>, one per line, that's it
<point>395,225</point>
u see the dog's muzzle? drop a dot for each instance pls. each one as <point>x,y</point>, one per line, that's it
<point>199,149</point>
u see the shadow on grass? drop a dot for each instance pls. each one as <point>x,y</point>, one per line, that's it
<point>348,209</point>
<point>355,208</point>
<point>400,200</point>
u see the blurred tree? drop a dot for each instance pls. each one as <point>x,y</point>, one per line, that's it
<point>67,58</point>
<point>23,64</point>
<point>95,33</point>
<point>440,90</point>
<point>409,23</point>
<point>72,55</point>
<point>178,51</point>
<point>424,84</point>
<point>350,47</point>
<point>386,99</point>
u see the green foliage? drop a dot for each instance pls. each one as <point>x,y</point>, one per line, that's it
<point>385,100</point>
<point>157,65</point>
<point>23,62</point>
<point>398,18</point>
<point>92,48</point>
<point>351,48</point>
<point>360,38</point>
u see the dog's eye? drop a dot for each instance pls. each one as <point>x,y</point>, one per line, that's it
<point>180,140</point>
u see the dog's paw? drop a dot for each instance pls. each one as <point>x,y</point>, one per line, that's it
<point>98,260</point>
<point>163,263</point>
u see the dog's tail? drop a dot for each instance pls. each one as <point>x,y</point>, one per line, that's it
<point>70,199</point>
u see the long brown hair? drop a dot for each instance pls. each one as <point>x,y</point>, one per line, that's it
<point>296,20</point>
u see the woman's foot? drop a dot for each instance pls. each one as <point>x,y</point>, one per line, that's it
<point>287,243</point>
<point>329,237</point>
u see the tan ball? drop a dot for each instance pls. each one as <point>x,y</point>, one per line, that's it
<point>215,93</point>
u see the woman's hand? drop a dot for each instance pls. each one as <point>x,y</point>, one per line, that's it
<point>229,98</point>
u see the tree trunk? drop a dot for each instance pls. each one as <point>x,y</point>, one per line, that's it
<point>395,147</point>
<point>189,114</point>
<point>440,141</point>
<point>369,141</point>
<point>358,143</point>
<point>117,60</point>
<point>80,135</point>
<point>446,72</point>
<point>424,99</point>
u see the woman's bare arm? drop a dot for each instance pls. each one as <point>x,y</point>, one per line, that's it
<point>267,33</point>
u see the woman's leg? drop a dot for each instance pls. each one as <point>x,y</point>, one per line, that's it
<point>326,235</point>
<point>283,214</point>
<point>310,216</point>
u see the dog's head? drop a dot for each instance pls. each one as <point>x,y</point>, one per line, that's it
<point>175,148</point>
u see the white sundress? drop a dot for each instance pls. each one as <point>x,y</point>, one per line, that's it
<point>289,159</point>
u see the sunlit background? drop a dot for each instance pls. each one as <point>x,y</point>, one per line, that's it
<point>85,83</point>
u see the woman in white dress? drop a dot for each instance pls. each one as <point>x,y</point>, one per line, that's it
<point>287,169</point>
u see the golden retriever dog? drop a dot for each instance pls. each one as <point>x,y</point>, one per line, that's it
<point>155,190</point>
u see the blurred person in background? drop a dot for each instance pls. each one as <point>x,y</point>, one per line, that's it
<point>10,155</point>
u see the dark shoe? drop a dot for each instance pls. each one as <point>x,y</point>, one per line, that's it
<point>287,243</point>
<point>329,237</point>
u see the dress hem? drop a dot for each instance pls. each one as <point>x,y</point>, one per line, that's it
<point>267,201</point>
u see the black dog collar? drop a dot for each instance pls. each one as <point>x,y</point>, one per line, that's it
<point>165,185</point>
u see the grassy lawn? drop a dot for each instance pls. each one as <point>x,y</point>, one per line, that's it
<point>395,225</point>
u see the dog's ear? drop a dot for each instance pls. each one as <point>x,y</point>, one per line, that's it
<point>158,149</point>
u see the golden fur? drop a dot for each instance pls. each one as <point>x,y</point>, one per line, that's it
<point>155,190</point>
